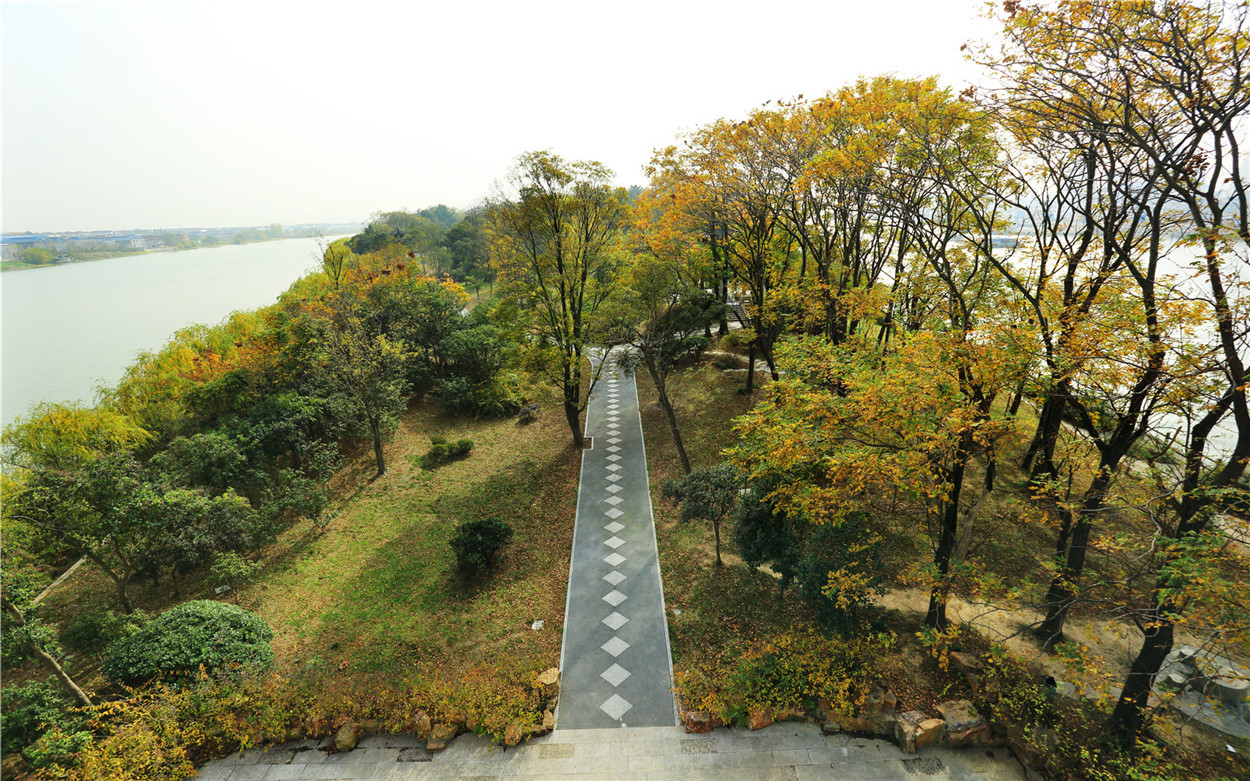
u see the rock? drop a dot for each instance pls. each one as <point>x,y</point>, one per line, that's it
<point>441,735</point>
<point>964,725</point>
<point>697,722</point>
<point>973,680</point>
<point>907,728</point>
<point>549,720</point>
<point>790,714</point>
<point>512,734</point>
<point>879,723</point>
<point>549,682</point>
<point>528,413</point>
<point>419,725</point>
<point>830,727</point>
<point>931,731</point>
<point>369,726</point>
<point>874,701</point>
<point>456,717</point>
<point>758,719</point>
<point>346,736</point>
<point>823,706</point>
<point>965,662</point>
<point>889,700</point>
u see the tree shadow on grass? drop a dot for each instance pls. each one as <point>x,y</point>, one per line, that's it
<point>408,602</point>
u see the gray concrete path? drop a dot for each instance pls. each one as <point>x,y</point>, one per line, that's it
<point>782,751</point>
<point>616,668</point>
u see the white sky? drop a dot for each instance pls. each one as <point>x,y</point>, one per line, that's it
<point>211,114</point>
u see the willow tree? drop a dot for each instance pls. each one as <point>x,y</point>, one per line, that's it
<point>554,245</point>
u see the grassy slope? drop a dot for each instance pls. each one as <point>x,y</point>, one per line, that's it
<point>376,592</point>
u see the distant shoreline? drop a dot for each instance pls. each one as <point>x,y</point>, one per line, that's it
<point>13,265</point>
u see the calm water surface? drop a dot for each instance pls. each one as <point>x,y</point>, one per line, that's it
<point>67,329</point>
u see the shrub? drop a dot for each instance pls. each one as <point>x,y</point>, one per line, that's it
<point>96,630</point>
<point>179,641</point>
<point>231,569</point>
<point>841,570</point>
<point>797,668</point>
<point>476,544</point>
<point>492,399</point>
<point>442,451</point>
<point>57,747</point>
<point>30,710</point>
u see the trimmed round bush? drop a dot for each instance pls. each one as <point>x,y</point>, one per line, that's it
<point>219,636</point>
<point>477,543</point>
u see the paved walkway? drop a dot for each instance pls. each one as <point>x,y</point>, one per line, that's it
<point>616,668</point>
<point>782,751</point>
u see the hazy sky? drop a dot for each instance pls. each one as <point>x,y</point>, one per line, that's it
<point>214,114</point>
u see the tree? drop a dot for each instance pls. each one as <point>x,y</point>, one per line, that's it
<point>707,494</point>
<point>554,247</point>
<point>469,246</point>
<point>848,424</point>
<point>665,319</point>
<point>366,371</point>
<point>110,512</point>
<point>36,256</point>
<point>25,628</point>
<point>335,258</point>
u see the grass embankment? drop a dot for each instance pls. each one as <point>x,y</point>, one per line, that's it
<point>719,615</point>
<point>371,609</point>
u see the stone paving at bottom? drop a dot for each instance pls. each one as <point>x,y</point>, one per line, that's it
<point>781,751</point>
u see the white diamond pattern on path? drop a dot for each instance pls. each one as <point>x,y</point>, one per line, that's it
<point>614,527</point>
<point>615,621</point>
<point>614,449</point>
<point>615,488</point>
<point>614,467</point>
<point>613,560</point>
<point>616,646</point>
<point>614,597</point>
<point>615,674</point>
<point>614,478</point>
<point>614,441</point>
<point>614,500</point>
<point>613,457</point>
<point>616,706</point>
<point>613,513</point>
<point>614,543</point>
<point>614,578</point>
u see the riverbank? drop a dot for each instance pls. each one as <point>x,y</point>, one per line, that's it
<point>87,257</point>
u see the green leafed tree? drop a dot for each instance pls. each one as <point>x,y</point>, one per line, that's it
<point>365,370</point>
<point>555,236</point>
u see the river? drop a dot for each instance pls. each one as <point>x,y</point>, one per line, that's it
<point>69,328</point>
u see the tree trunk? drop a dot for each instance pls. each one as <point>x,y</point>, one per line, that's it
<point>716,528</point>
<point>1049,421</point>
<point>661,388</point>
<point>574,417</point>
<point>1014,406</point>
<point>375,427</point>
<point>1061,593</point>
<point>935,618</point>
<point>572,387</point>
<point>751,368</point>
<point>16,616</point>
<point>1129,716</point>
<point>119,583</point>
